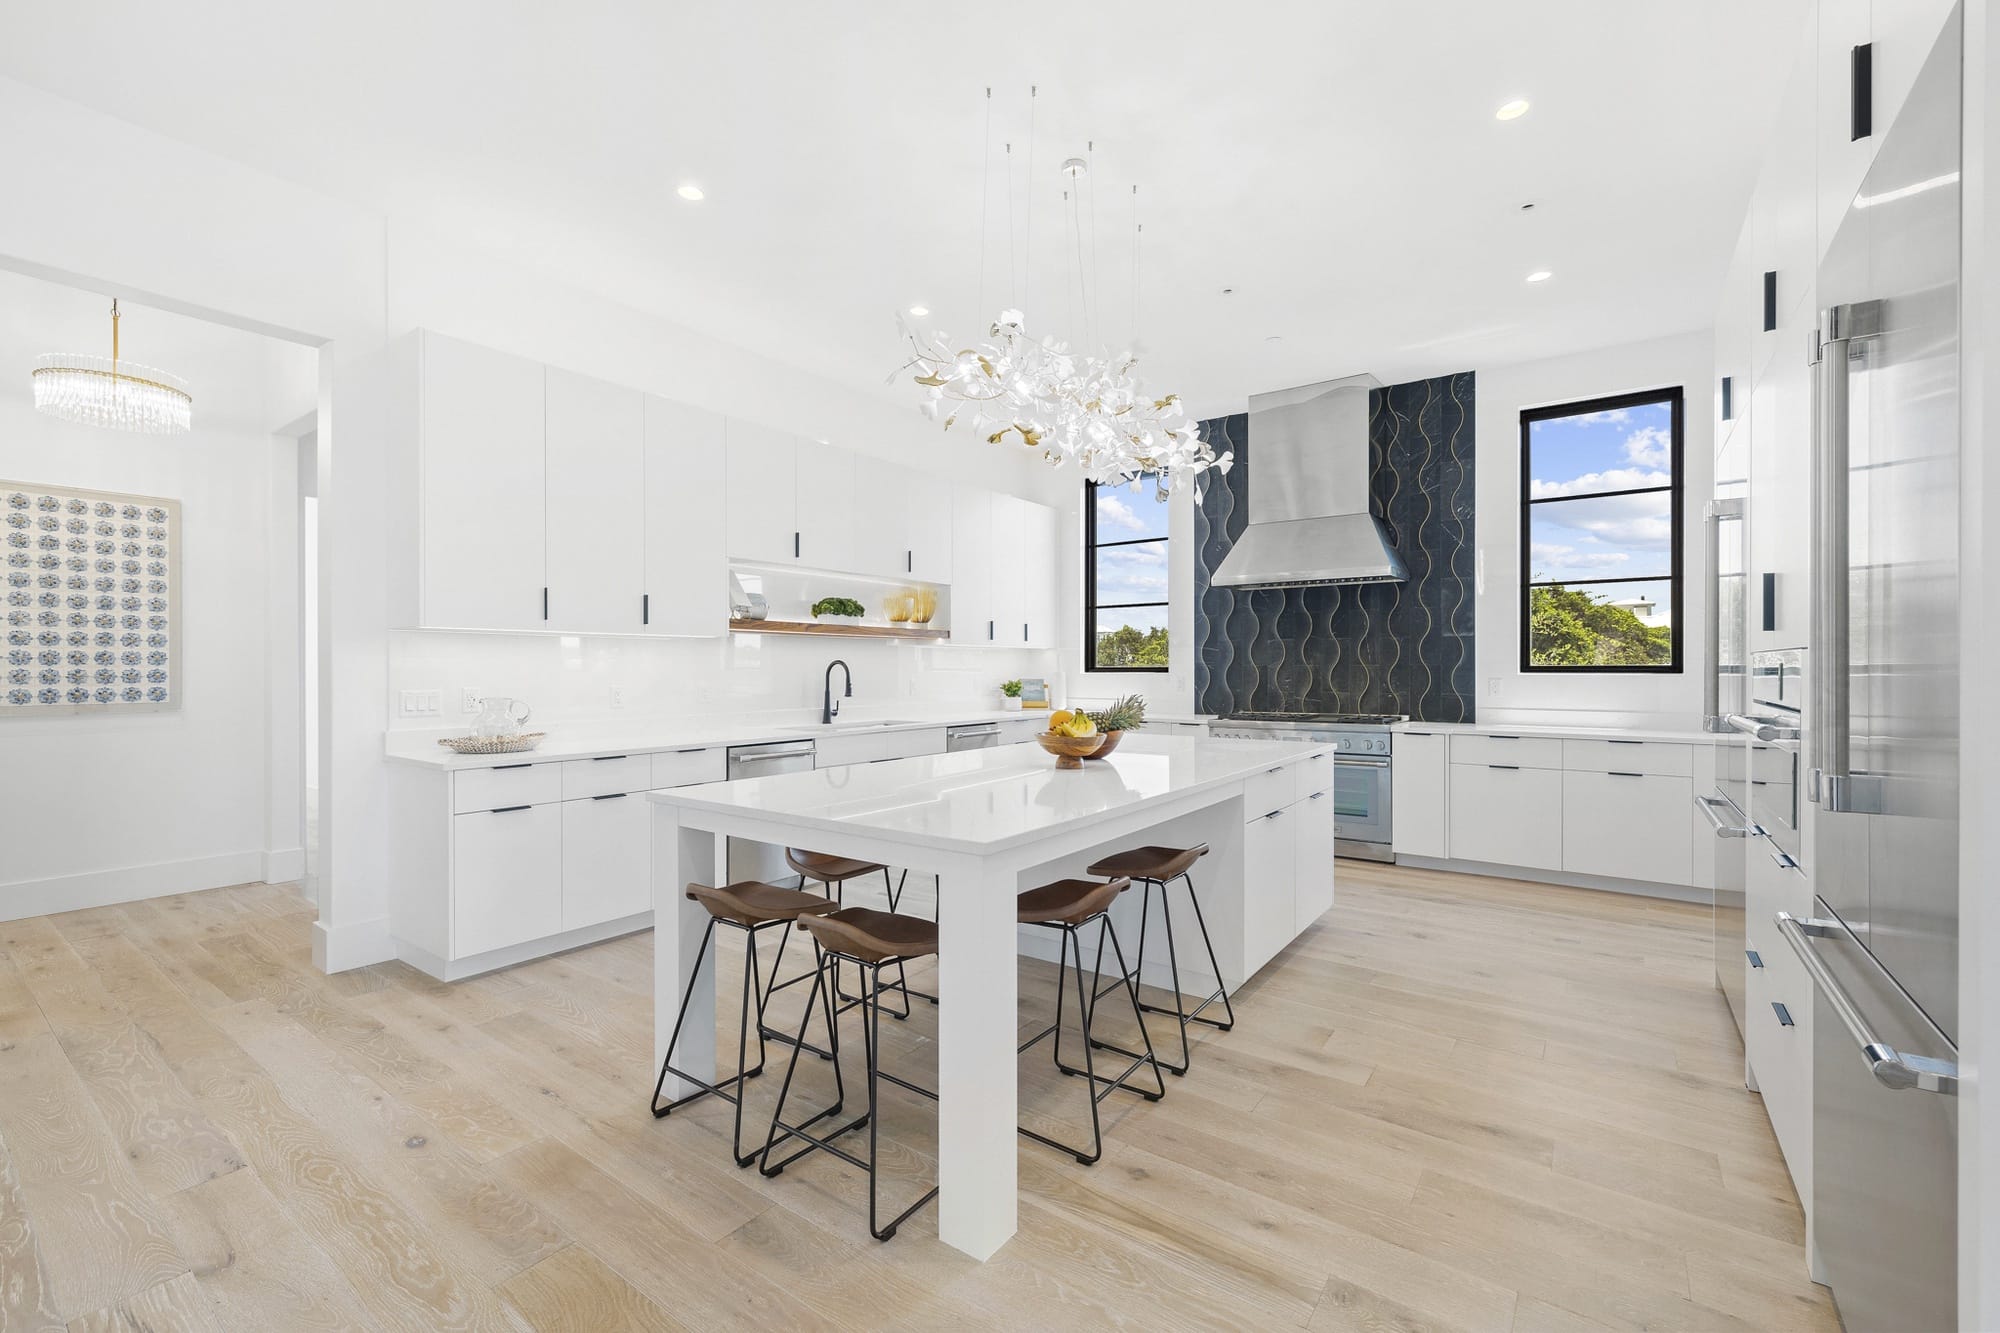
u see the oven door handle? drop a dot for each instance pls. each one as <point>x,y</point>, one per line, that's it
<point>1340,760</point>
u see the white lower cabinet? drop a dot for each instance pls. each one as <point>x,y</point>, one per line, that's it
<point>1270,912</point>
<point>1778,1039</point>
<point>1627,825</point>
<point>607,859</point>
<point>1312,857</point>
<point>507,867</point>
<point>1507,815</point>
<point>872,747</point>
<point>1417,794</point>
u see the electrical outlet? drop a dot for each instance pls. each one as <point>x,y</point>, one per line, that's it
<point>617,696</point>
<point>1493,687</point>
<point>471,701</point>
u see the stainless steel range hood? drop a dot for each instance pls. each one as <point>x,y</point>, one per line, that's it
<point>1308,481</point>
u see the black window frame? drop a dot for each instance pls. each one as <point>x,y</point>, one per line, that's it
<point>1675,396</point>
<point>1090,607</point>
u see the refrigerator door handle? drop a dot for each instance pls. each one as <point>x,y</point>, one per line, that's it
<point>1891,1068</point>
<point>1718,513</point>
<point>1707,805</point>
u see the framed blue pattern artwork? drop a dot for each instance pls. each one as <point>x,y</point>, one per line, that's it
<point>90,601</point>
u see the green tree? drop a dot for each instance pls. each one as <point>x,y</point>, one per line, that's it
<point>1129,647</point>
<point>1567,627</point>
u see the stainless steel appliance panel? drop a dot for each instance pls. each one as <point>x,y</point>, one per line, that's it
<point>980,736</point>
<point>756,860</point>
<point>1362,810</point>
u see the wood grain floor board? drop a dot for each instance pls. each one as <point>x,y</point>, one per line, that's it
<point>1456,1104</point>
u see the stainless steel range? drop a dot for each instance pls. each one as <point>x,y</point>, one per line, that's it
<point>1364,751</point>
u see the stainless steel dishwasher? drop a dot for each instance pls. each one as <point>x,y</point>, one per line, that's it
<point>972,736</point>
<point>756,860</point>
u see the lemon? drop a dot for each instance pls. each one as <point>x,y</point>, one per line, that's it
<point>1060,719</point>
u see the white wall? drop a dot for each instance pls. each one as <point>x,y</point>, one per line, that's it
<point>99,808</point>
<point>1585,699</point>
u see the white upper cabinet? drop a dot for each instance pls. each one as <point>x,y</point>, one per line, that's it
<point>1902,33</point>
<point>686,571</point>
<point>1010,600</point>
<point>881,517</point>
<point>1841,160</point>
<point>761,494</point>
<point>929,506</point>
<point>480,488</point>
<point>1782,211</point>
<point>972,617</point>
<point>1038,574</point>
<point>825,506</point>
<point>596,518</point>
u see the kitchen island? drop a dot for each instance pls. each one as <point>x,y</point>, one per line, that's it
<point>990,823</point>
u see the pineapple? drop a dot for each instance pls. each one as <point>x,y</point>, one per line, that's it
<point>1126,714</point>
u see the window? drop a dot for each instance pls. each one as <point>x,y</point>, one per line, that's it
<point>1601,534</point>
<point>1124,578</point>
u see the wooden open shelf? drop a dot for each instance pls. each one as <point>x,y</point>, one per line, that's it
<point>837,631</point>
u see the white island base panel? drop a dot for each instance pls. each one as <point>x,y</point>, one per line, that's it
<point>990,823</point>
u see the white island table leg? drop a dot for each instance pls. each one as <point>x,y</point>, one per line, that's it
<point>977,1186</point>
<point>682,854</point>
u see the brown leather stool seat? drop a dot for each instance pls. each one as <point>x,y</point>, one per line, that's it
<point>1161,863</point>
<point>828,868</point>
<point>751,903</point>
<point>1068,902</point>
<point>871,936</point>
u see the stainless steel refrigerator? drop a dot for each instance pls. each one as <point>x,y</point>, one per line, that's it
<point>1883,727</point>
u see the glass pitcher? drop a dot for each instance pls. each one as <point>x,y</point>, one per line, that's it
<point>499,717</point>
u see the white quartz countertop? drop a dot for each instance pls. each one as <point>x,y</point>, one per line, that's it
<point>597,739</point>
<point>986,800</point>
<point>1689,737</point>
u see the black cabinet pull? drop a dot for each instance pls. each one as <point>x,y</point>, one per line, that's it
<point>1770,621</point>
<point>510,809</point>
<point>1024,631</point>
<point>1511,768</point>
<point>545,603</point>
<point>500,768</point>
<point>612,796</point>
<point>600,758</point>
<point>1756,959</point>
<point>1784,1014</point>
<point>1861,92</point>
<point>1615,773</point>
<point>1728,398</point>
<point>795,546</point>
<point>694,749</point>
<point>989,631</point>
<point>1770,300</point>
<point>1618,742</point>
<point>909,562</point>
<point>645,608</point>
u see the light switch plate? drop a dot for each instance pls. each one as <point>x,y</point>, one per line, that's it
<point>617,696</point>
<point>470,700</point>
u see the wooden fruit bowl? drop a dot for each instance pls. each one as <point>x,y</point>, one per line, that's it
<point>1069,750</point>
<point>1111,739</point>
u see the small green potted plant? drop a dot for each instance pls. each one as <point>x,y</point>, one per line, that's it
<point>1010,695</point>
<point>839,609</point>
<point>1117,718</point>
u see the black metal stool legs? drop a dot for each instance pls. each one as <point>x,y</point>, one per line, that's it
<point>731,1088</point>
<point>1087,994</point>
<point>870,1001</point>
<point>1179,1011</point>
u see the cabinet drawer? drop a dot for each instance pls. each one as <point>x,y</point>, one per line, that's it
<point>1500,748</point>
<point>603,777</point>
<point>871,747</point>
<point>1628,826</point>
<point>607,846</point>
<point>1311,775</point>
<point>506,877</point>
<point>1780,1055</point>
<point>505,784</point>
<point>685,768</point>
<point>1269,790</point>
<point>1661,758</point>
<point>1509,816</point>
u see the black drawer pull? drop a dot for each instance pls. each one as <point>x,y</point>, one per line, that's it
<point>1616,773</point>
<point>1511,768</point>
<point>1617,742</point>
<point>600,758</point>
<point>1756,959</point>
<point>502,768</point>
<point>645,608</point>
<point>611,796</point>
<point>696,749</point>
<point>1496,736</point>
<point>1784,1015</point>
<point>510,809</point>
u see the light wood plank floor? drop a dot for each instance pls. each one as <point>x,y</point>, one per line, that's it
<point>1458,1103</point>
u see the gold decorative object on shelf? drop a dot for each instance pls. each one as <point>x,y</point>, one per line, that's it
<point>899,606</point>
<point>923,605</point>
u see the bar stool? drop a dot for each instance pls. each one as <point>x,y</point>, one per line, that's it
<point>870,940</point>
<point>1159,866</point>
<point>834,872</point>
<point>750,907</point>
<point>1068,905</point>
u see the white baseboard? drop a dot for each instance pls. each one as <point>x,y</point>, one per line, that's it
<point>126,884</point>
<point>459,969</point>
<point>285,865</point>
<point>1638,888</point>
<point>343,948</point>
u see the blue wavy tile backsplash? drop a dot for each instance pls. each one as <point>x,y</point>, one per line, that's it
<point>1353,648</point>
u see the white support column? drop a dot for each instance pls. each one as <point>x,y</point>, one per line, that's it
<point>977,1188</point>
<point>680,855</point>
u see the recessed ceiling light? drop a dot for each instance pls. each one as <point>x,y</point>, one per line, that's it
<point>690,192</point>
<point>919,311</point>
<point>1513,110</point>
<point>1540,275</point>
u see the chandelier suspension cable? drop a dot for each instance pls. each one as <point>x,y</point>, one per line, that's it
<point>1138,235</point>
<point>985,189</point>
<point>1013,292</point>
<point>1028,245</point>
<point>1096,274</point>
<point>1076,240</point>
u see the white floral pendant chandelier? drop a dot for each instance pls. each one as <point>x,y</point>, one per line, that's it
<point>119,395</point>
<point>1074,408</point>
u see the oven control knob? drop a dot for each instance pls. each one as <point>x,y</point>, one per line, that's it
<point>1347,745</point>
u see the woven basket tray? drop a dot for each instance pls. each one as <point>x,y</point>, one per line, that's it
<point>527,740</point>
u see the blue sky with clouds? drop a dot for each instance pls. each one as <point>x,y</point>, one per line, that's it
<point>1625,536</point>
<point>1131,573</point>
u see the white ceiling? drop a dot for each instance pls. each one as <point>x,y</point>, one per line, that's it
<point>1337,163</point>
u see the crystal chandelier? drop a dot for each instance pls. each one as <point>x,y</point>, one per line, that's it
<point>1074,408</point>
<point>119,395</point>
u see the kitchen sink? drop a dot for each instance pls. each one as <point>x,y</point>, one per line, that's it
<point>863,726</point>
